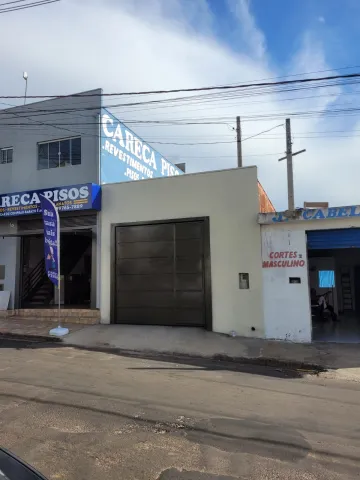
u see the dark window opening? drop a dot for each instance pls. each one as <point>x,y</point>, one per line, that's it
<point>60,153</point>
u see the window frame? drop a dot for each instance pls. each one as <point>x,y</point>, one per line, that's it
<point>61,164</point>
<point>6,149</point>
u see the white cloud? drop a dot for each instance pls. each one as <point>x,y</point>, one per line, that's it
<point>248,32</point>
<point>153,44</point>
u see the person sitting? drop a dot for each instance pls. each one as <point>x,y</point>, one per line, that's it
<point>321,304</point>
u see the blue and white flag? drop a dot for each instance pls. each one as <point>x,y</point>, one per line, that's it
<point>51,221</point>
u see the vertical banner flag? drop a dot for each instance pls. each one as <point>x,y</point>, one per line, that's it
<point>51,239</point>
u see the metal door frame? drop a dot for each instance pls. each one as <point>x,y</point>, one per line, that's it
<point>207,263</point>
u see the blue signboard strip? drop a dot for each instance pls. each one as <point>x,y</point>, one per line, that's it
<point>126,157</point>
<point>70,198</point>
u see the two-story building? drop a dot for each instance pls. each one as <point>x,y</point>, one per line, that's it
<point>51,148</point>
<point>169,249</point>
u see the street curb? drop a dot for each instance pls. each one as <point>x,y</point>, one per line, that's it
<point>29,338</point>
<point>173,356</point>
<point>220,358</point>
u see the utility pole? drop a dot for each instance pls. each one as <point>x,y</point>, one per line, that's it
<point>238,142</point>
<point>289,161</point>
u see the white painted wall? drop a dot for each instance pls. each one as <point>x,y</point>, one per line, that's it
<point>8,256</point>
<point>287,313</point>
<point>230,199</point>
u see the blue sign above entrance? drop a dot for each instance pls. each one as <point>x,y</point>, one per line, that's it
<point>125,157</point>
<point>70,198</point>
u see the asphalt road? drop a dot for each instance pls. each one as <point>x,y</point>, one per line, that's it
<point>77,414</point>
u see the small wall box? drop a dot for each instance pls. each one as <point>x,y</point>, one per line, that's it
<point>244,283</point>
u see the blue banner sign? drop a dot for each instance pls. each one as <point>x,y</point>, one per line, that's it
<point>51,239</point>
<point>125,157</point>
<point>316,214</point>
<point>73,197</point>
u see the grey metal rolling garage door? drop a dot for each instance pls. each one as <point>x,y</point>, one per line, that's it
<point>160,274</point>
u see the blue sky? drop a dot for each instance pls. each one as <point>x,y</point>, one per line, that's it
<point>283,22</point>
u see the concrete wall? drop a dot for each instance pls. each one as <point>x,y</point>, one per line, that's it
<point>230,199</point>
<point>286,305</point>
<point>24,127</point>
<point>9,248</point>
<point>287,313</point>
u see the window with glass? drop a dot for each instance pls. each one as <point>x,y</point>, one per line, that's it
<point>60,153</point>
<point>326,278</point>
<point>6,155</point>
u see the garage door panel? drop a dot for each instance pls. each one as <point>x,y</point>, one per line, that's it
<point>133,266</point>
<point>189,282</point>
<point>161,282</point>
<point>189,316</point>
<point>145,316</point>
<point>331,239</point>
<point>189,248</point>
<point>145,233</point>
<point>160,274</point>
<point>146,299</point>
<point>189,299</point>
<point>188,230</point>
<point>189,265</point>
<point>160,316</point>
<point>145,250</point>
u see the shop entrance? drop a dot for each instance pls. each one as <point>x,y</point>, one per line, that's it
<point>334,280</point>
<point>37,291</point>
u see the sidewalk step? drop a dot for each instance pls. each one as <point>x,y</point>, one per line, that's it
<point>92,320</point>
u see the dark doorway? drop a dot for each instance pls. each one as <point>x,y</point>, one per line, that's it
<point>334,269</point>
<point>75,268</point>
<point>162,274</point>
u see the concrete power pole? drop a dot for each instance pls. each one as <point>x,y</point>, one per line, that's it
<point>289,161</point>
<point>238,142</point>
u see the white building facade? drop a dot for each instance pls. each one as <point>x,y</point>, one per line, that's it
<point>314,250</point>
<point>184,250</point>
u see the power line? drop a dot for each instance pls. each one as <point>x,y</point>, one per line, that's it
<point>29,5</point>
<point>164,103</point>
<point>14,1</point>
<point>198,89</point>
<point>224,156</point>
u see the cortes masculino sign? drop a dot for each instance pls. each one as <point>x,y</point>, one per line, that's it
<point>73,197</point>
<point>125,157</point>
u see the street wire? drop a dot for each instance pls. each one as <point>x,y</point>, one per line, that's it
<point>23,7</point>
<point>197,89</point>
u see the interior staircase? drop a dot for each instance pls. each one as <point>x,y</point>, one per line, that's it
<point>37,289</point>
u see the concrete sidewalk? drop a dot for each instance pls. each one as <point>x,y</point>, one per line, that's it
<point>31,328</point>
<point>200,343</point>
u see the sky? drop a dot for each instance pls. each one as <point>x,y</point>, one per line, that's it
<point>131,45</point>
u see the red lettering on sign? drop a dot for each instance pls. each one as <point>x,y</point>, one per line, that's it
<point>283,263</point>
